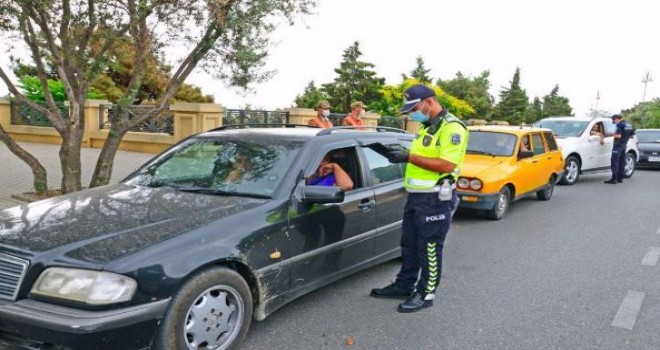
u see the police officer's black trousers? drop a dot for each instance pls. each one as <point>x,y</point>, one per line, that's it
<point>618,162</point>
<point>426,222</point>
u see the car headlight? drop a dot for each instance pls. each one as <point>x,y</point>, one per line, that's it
<point>91,287</point>
<point>476,184</point>
<point>463,183</point>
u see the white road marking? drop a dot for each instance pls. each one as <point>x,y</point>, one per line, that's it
<point>627,315</point>
<point>658,232</point>
<point>651,257</point>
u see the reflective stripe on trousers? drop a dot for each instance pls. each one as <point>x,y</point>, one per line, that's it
<point>426,221</point>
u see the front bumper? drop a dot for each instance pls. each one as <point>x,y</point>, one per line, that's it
<point>31,324</point>
<point>479,201</point>
<point>643,162</point>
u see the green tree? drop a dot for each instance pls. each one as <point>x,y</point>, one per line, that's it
<point>310,97</point>
<point>474,90</point>
<point>534,111</point>
<point>228,39</point>
<point>355,81</point>
<point>645,115</point>
<point>513,102</point>
<point>420,72</point>
<point>392,98</point>
<point>556,105</point>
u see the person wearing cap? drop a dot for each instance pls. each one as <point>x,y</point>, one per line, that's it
<point>355,117</point>
<point>432,166</point>
<point>618,161</point>
<point>322,113</point>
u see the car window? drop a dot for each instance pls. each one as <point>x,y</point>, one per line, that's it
<point>550,141</point>
<point>346,158</point>
<point>610,129</point>
<point>525,143</point>
<point>381,169</point>
<point>491,143</point>
<point>564,128</point>
<point>255,167</point>
<point>648,136</point>
<point>537,144</point>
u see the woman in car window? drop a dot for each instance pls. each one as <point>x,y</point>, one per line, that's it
<point>330,174</point>
<point>596,131</point>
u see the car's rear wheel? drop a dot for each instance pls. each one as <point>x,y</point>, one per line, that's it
<point>571,171</point>
<point>213,310</point>
<point>501,205</point>
<point>546,192</point>
<point>629,169</point>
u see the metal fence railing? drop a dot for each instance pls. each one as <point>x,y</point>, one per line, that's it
<point>23,114</point>
<point>163,123</point>
<point>243,116</point>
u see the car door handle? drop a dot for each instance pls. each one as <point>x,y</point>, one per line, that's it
<point>366,204</point>
<point>549,157</point>
<point>535,161</point>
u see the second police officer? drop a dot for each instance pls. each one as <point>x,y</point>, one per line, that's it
<point>618,161</point>
<point>433,164</point>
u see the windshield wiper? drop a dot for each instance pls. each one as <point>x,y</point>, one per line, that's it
<point>215,191</point>
<point>479,152</point>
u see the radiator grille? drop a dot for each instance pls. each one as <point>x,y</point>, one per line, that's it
<point>12,271</point>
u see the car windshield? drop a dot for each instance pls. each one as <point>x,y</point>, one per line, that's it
<point>648,136</point>
<point>221,166</point>
<point>491,143</point>
<point>564,128</point>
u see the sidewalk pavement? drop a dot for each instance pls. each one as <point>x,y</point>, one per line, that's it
<point>16,176</point>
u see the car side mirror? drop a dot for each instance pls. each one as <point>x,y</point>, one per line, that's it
<point>322,194</point>
<point>525,154</point>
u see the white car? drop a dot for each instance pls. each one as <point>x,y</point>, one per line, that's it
<point>583,152</point>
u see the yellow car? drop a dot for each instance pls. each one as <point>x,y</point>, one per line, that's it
<point>505,163</point>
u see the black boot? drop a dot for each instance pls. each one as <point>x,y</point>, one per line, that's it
<point>415,303</point>
<point>391,291</point>
<point>610,181</point>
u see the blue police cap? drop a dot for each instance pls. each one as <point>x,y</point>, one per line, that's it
<point>413,95</point>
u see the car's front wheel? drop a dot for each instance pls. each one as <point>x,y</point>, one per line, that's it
<point>629,169</point>
<point>213,310</point>
<point>571,171</point>
<point>546,192</point>
<point>501,205</point>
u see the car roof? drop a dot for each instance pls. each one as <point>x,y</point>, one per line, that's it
<point>302,132</point>
<point>581,119</point>
<point>507,129</point>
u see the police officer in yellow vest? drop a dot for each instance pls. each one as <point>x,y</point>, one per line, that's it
<point>433,164</point>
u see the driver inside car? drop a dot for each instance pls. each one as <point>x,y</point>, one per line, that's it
<point>330,174</point>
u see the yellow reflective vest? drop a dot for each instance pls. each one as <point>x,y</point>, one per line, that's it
<point>447,139</point>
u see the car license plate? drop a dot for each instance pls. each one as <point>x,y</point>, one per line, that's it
<point>654,159</point>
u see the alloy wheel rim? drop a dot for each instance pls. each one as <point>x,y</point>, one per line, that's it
<point>630,163</point>
<point>501,203</point>
<point>214,319</point>
<point>571,171</point>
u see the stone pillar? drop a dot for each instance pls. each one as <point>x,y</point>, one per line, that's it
<point>5,112</point>
<point>193,118</point>
<point>411,126</point>
<point>371,119</point>
<point>301,115</point>
<point>92,124</point>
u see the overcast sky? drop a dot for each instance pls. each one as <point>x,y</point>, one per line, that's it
<point>584,46</point>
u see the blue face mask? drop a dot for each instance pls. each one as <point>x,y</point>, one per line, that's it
<point>418,116</point>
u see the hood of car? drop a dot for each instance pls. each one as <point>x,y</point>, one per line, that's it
<point>474,165</point>
<point>111,221</point>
